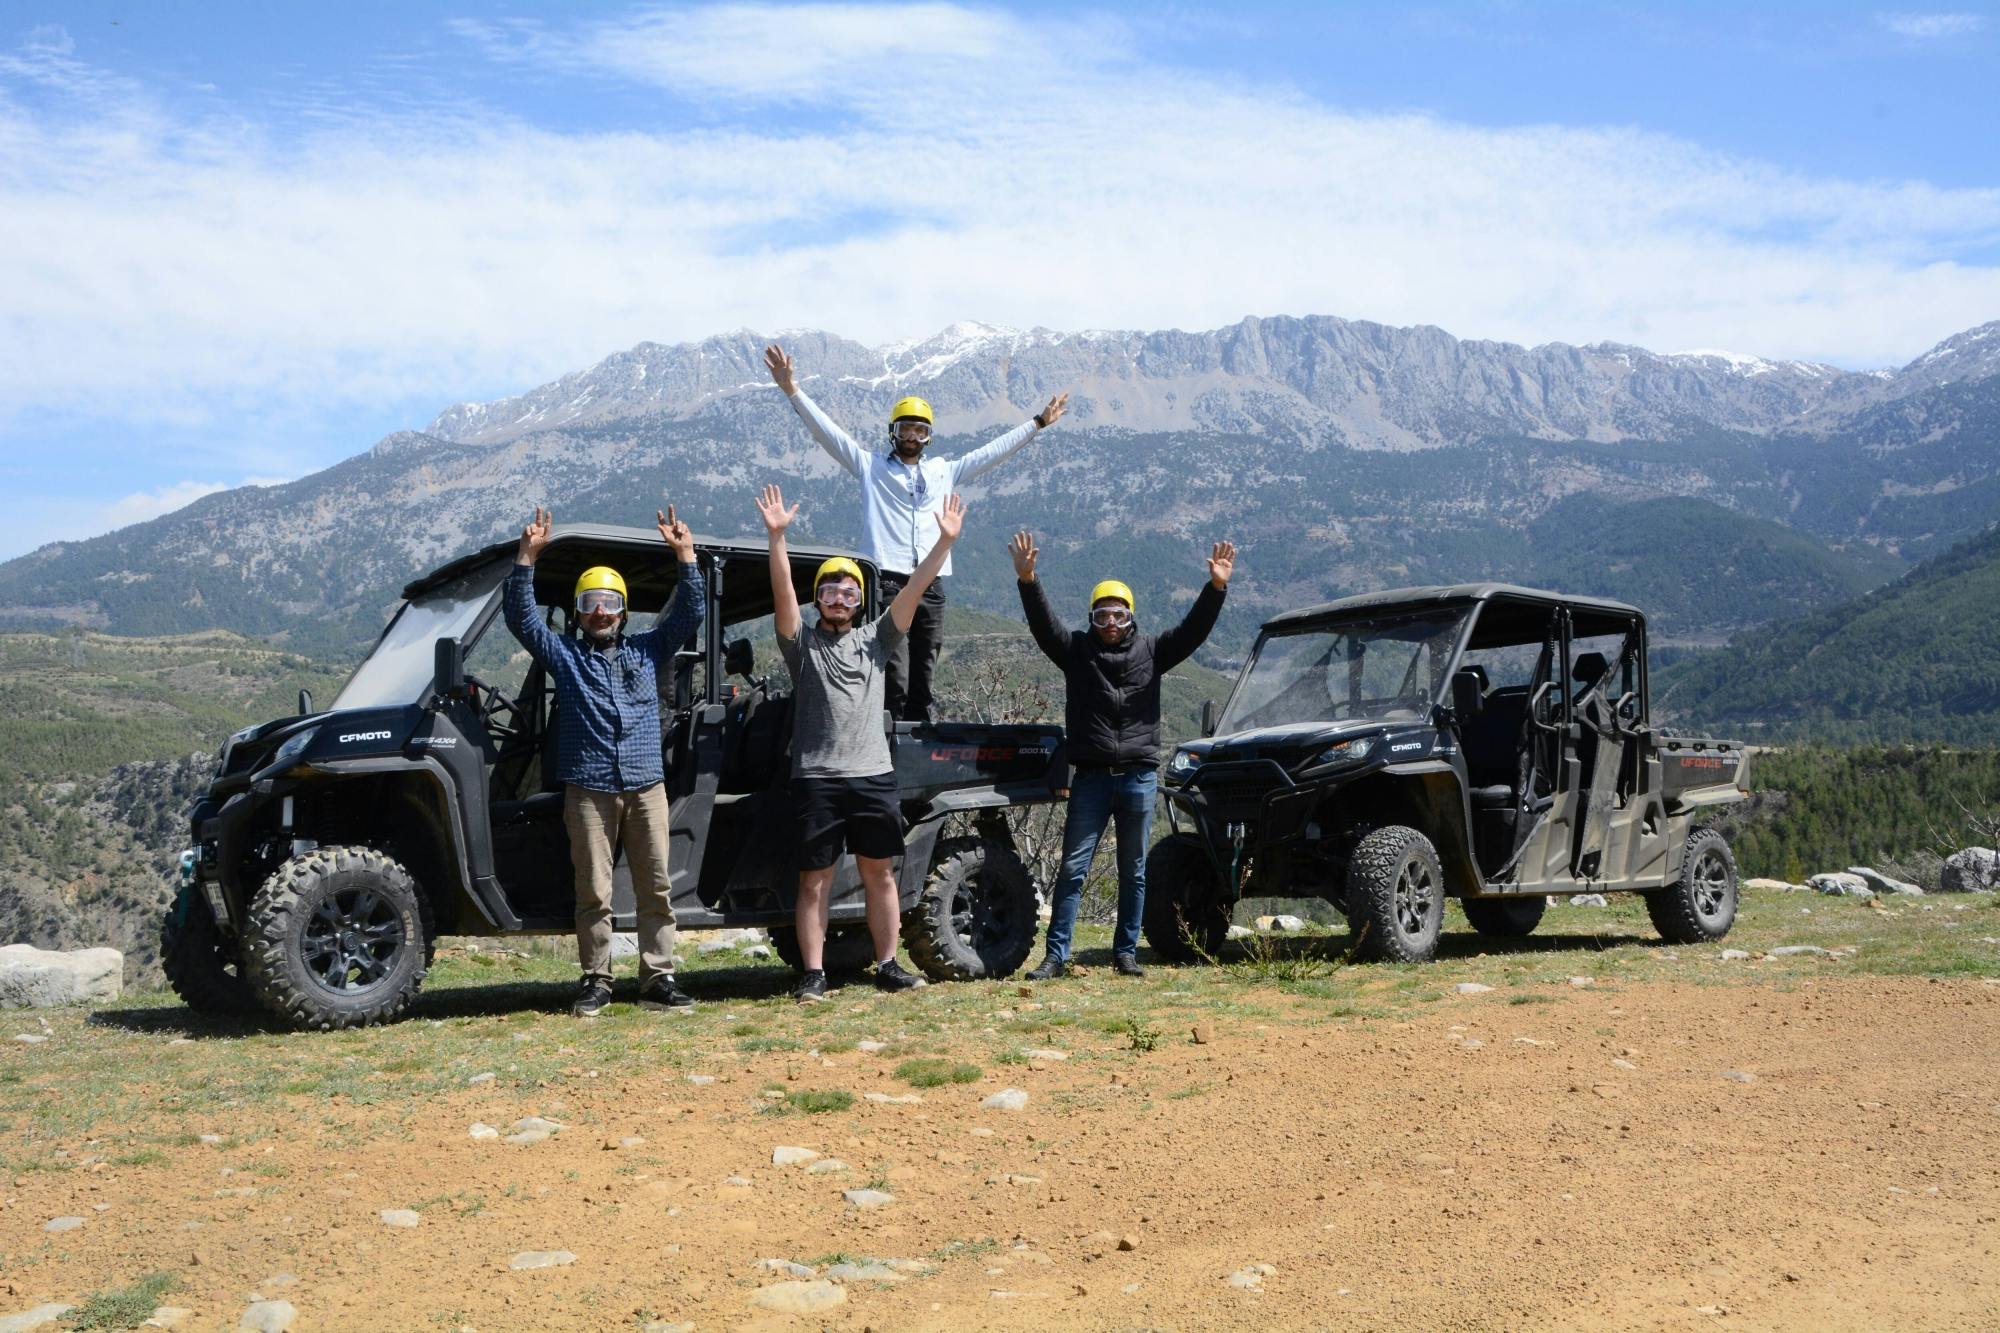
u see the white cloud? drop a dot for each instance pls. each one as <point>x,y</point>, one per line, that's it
<point>970,166</point>
<point>1926,26</point>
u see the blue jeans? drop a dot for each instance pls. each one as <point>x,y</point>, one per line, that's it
<point>1096,797</point>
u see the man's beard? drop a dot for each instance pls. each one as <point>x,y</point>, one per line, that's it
<point>601,636</point>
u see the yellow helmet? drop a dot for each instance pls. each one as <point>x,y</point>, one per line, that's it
<point>1113,588</point>
<point>599,576</point>
<point>911,409</point>
<point>839,564</point>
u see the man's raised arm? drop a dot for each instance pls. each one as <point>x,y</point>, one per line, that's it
<point>831,437</point>
<point>784,597</point>
<point>997,451</point>
<point>1051,635</point>
<point>519,598</point>
<point>690,599</point>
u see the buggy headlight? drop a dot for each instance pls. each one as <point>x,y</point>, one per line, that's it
<point>293,747</point>
<point>1345,752</point>
<point>1182,766</point>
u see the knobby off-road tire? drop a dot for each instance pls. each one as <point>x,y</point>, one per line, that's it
<point>201,971</point>
<point>1505,918</point>
<point>338,938</point>
<point>848,949</point>
<point>975,916</point>
<point>1395,896</point>
<point>1702,906</point>
<point>1185,918</point>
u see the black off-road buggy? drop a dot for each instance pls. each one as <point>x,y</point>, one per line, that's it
<point>334,847</point>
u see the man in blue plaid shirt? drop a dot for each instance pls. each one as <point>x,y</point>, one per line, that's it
<point>609,756</point>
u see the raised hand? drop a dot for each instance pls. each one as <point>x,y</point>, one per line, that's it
<point>535,536</point>
<point>1221,563</point>
<point>676,534</point>
<point>771,504</point>
<point>780,366</point>
<point>1057,406</point>
<point>1022,548</point>
<point>951,518</point>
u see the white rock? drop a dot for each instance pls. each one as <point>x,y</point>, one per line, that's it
<point>1841,885</point>
<point>866,1271</point>
<point>1284,921</point>
<point>1733,956</point>
<point>540,1259</point>
<point>480,1078</point>
<point>1044,1053</point>
<point>799,1297</point>
<point>871,1047</point>
<point>1239,933</point>
<point>31,1038</point>
<point>1007,1099</point>
<point>32,978</point>
<point>785,1266</point>
<point>168,1316</point>
<point>62,1224</point>
<point>715,946</point>
<point>1762,885</point>
<point>1794,950</point>
<point>39,1317</point>
<point>1581,982</point>
<point>827,1166</point>
<point>701,1080</point>
<point>401,1217</point>
<point>1588,900</point>
<point>1972,870</point>
<point>268,1317</point>
<point>1471,988</point>
<point>1880,882</point>
<point>758,951</point>
<point>659,1326</point>
<point>1738,1076</point>
<point>528,1122</point>
<point>482,1131</point>
<point>867,1198</point>
<point>737,1182</point>
<point>526,1136</point>
<point>891,1099</point>
<point>783,1156</point>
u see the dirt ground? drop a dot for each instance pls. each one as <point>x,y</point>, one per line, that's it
<point>1822,1153</point>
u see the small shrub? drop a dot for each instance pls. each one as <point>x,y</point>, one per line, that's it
<point>1142,1038</point>
<point>123,1307</point>
<point>933,1073</point>
<point>820,1102</point>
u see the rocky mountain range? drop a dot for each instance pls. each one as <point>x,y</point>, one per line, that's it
<point>1340,455</point>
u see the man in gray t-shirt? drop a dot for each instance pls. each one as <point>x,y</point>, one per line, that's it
<point>843,779</point>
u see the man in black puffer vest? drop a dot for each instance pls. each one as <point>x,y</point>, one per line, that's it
<point>1112,673</point>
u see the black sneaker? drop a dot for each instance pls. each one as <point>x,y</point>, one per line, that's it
<point>891,976</point>
<point>591,997</point>
<point>662,993</point>
<point>811,988</point>
<point>1050,968</point>
<point>1127,965</point>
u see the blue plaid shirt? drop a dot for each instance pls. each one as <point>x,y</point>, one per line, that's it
<point>610,738</point>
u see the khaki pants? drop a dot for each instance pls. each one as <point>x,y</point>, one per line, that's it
<point>597,822</point>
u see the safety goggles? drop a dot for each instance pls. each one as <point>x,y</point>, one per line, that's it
<point>910,432</point>
<point>601,599</point>
<point>838,594</point>
<point>1110,615</point>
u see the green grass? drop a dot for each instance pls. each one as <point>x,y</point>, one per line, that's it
<point>821,1102</point>
<point>929,1072</point>
<point>122,1307</point>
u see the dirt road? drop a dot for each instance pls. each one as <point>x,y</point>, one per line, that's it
<point>1819,1153</point>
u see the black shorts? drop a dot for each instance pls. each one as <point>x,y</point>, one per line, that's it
<point>860,815</point>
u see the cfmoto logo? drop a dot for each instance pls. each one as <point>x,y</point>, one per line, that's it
<point>364,736</point>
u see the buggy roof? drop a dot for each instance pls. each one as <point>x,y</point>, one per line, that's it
<point>637,553</point>
<point>1598,615</point>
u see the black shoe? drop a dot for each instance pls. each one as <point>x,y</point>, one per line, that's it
<point>1127,965</point>
<point>591,997</point>
<point>811,988</point>
<point>662,993</point>
<point>891,976</point>
<point>1051,967</point>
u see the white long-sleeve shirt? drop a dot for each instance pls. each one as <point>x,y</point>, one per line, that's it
<point>900,501</point>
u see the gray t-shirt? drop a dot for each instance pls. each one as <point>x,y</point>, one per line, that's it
<point>837,684</point>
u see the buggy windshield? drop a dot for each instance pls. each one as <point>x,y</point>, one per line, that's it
<point>399,670</point>
<point>1386,667</point>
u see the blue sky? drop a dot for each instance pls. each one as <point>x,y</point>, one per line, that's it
<point>241,242</point>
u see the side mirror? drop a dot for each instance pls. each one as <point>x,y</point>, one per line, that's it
<point>305,702</point>
<point>1208,714</point>
<point>1467,702</point>
<point>448,669</point>
<point>738,659</point>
